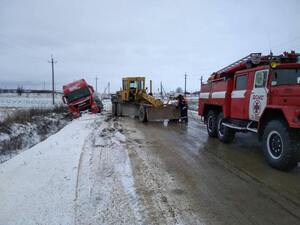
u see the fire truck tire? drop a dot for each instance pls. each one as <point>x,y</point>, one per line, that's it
<point>225,134</point>
<point>211,123</point>
<point>142,114</point>
<point>279,146</point>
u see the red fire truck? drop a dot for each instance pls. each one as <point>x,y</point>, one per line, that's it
<point>79,96</point>
<point>259,94</point>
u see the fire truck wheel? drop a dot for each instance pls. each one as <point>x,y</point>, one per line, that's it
<point>211,123</point>
<point>225,134</point>
<point>142,114</point>
<point>279,148</point>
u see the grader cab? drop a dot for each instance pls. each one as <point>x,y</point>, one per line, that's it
<point>133,88</point>
<point>134,101</point>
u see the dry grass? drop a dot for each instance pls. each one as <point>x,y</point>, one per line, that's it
<point>43,124</point>
<point>24,116</point>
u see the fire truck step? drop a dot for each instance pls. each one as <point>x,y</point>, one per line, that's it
<point>240,128</point>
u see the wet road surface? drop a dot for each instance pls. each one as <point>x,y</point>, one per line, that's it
<point>184,177</point>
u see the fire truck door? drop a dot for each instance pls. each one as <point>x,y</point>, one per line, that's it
<point>258,97</point>
<point>239,100</point>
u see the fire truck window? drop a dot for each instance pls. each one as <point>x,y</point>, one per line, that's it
<point>241,82</point>
<point>261,78</point>
<point>285,76</point>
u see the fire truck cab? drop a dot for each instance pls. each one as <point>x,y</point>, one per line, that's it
<point>258,94</point>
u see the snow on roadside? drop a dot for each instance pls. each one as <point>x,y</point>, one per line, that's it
<point>106,188</point>
<point>18,137</point>
<point>38,186</point>
<point>106,104</point>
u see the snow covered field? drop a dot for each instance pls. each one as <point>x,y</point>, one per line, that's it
<point>28,100</point>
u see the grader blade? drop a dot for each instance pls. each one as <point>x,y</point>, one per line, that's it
<point>166,112</point>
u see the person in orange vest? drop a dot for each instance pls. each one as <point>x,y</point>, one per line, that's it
<point>183,106</point>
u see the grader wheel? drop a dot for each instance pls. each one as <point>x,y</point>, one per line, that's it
<point>142,114</point>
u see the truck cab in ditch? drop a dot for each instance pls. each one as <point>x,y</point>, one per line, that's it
<point>79,97</point>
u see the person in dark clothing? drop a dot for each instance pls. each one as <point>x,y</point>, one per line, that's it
<point>183,106</point>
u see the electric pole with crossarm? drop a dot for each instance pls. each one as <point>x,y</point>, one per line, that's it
<point>52,67</point>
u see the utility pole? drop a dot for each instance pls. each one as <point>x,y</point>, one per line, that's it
<point>52,66</point>
<point>201,82</point>
<point>96,84</point>
<point>185,84</point>
<point>161,91</point>
<point>108,88</point>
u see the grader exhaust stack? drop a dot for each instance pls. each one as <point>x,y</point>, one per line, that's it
<point>134,101</point>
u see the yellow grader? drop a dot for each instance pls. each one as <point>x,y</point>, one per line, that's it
<point>134,101</point>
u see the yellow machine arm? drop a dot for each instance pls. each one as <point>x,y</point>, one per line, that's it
<point>153,101</point>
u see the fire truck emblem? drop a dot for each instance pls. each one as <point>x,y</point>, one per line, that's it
<point>256,107</point>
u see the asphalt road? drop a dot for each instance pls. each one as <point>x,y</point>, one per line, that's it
<point>184,177</point>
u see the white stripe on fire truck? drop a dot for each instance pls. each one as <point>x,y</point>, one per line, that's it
<point>238,94</point>
<point>204,95</point>
<point>218,94</point>
<point>221,94</point>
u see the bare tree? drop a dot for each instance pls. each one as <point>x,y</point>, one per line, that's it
<point>20,90</point>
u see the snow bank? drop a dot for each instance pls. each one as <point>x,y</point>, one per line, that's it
<point>18,137</point>
<point>38,185</point>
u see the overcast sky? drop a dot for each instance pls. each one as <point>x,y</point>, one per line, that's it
<point>159,39</point>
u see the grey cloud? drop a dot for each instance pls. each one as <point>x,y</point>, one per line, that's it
<point>161,39</point>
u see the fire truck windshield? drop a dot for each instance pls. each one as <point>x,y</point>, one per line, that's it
<point>285,77</point>
<point>77,94</point>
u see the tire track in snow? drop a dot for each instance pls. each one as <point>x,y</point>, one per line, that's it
<point>105,186</point>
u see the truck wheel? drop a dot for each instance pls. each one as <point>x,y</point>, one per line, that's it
<point>279,146</point>
<point>142,114</point>
<point>225,134</point>
<point>211,123</point>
